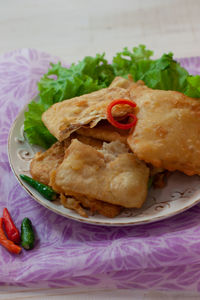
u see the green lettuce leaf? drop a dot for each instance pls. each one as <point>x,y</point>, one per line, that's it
<point>34,128</point>
<point>94,73</point>
<point>60,83</point>
<point>163,73</point>
<point>193,86</point>
<point>128,62</point>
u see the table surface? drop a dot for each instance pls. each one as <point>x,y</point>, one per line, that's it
<point>73,29</point>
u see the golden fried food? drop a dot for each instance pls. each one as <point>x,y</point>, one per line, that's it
<point>104,131</point>
<point>67,116</point>
<point>44,162</point>
<point>97,144</point>
<point>74,204</point>
<point>111,175</point>
<point>124,83</point>
<point>167,134</point>
<point>95,206</point>
<point>160,179</point>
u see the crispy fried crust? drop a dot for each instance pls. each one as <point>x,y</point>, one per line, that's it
<point>125,83</point>
<point>167,133</point>
<point>74,204</point>
<point>105,132</point>
<point>106,209</point>
<point>45,162</point>
<point>77,201</point>
<point>67,116</point>
<point>118,178</point>
<point>97,144</point>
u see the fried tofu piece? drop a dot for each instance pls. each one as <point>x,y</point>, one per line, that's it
<point>67,116</point>
<point>167,134</point>
<point>104,131</point>
<point>106,209</point>
<point>111,175</point>
<point>44,162</point>
<point>95,206</point>
<point>97,144</point>
<point>124,83</point>
<point>74,204</point>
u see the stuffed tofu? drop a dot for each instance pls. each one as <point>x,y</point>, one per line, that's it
<point>112,175</point>
<point>167,134</point>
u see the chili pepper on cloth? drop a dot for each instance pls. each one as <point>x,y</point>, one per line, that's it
<point>45,190</point>
<point>9,245</point>
<point>27,234</point>
<point>11,230</point>
<point>115,123</point>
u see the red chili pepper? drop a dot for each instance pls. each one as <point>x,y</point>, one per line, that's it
<point>9,245</point>
<point>10,228</point>
<point>116,123</point>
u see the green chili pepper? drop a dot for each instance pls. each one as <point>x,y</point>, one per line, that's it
<point>150,182</point>
<point>27,234</point>
<point>45,190</point>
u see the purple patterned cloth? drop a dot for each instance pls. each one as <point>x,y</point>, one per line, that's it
<point>162,255</point>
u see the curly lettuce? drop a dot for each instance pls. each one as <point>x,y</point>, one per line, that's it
<point>60,83</point>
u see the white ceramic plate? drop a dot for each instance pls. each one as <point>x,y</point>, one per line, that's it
<point>181,192</point>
